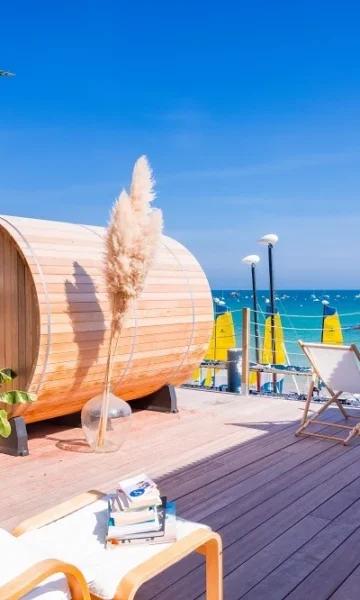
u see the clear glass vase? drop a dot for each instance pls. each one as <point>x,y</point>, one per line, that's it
<point>117,426</point>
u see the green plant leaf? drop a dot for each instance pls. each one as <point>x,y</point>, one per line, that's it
<point>17,397</point>
<point>6,375</point>
<point>5,427</point>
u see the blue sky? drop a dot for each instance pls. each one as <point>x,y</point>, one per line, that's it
<point>248,111</point>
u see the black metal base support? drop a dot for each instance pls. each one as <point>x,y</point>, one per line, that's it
<point>164,400</point>
<point>72,420</point>
<point>17,442</point>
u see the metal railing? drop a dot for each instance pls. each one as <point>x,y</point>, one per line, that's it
<point>294,328</point>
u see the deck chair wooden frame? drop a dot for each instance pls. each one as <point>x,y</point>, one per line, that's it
<point>306,422</point>
<point>202,541</point>
<point>28,580</point>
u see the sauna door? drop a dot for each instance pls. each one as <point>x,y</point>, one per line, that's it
<point>19,314</point>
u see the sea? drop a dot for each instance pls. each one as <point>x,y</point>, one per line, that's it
<point>301,315</point>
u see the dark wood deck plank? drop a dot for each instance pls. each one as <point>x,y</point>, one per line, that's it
<point>310,449</point>
<point>207,483</point>
<point>339,503</point>
<point>259,503</point>
<point>349,589</point>
<point>225,490</point>
<point>263,563</point>
<point>249,543</point>
<point>264,448</point>
<point>246,527</point>
<point>300,571</point>
<point>263,451</point>
<point>326,577</point>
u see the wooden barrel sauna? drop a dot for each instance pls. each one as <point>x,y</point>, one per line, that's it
<point>54,317</point>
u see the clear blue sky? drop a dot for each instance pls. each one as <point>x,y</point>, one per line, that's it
<point>248,111</point>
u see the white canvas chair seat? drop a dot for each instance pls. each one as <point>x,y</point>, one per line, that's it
<point>17,557</point>
<point>338,367</point>
<point>79,539</point>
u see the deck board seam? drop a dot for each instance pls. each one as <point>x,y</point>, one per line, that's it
<point>280,491</point>
<point>278,477</point>
<point>327,523</point>
<point>288,595</point>
<point>344,580</point>
<point>167,479</point>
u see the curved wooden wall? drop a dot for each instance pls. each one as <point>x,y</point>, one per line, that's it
<point>165,335</point>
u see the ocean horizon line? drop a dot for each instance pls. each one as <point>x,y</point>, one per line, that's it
<point>284,289</point>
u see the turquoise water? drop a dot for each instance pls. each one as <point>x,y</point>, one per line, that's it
<point>301,313</point>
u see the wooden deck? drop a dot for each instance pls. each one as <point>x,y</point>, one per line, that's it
<point>288,510</point>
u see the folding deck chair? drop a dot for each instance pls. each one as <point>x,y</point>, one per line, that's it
<point>338,367</point>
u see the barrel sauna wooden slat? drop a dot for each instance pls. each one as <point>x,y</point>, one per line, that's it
<point>172,332</point>
<point>167,277</point>
<point>97,322</point>
<point>90,317</point>
<point>80,296</point>
<point>64,354</point>
<point>170,341</point>
<point>87,359</point>
<point>55,316</point>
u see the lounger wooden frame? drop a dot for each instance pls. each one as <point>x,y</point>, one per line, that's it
<point>334,398</point>
<point>203,541</point>
<point>29,579</point>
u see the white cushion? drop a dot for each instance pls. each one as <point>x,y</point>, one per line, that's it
<point>16,557</point>
<point>54,588</point>
<point>79,539</point>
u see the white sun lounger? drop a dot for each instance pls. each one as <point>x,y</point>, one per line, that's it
<point>338,367</point>
<point>73,535</point>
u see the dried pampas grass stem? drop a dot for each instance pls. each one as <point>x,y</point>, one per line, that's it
<point>132,238</point>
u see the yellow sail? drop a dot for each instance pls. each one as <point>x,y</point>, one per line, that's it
<point>331,331</point>
<point>280,352</point>
<point>223,338</point>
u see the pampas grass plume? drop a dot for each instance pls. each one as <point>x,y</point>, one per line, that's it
<point>131,241</point>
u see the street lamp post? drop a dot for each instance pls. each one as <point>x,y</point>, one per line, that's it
<point>270,240</point>
<point>252,260</point>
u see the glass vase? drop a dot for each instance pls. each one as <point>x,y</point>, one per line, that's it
<point>117,425</point>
